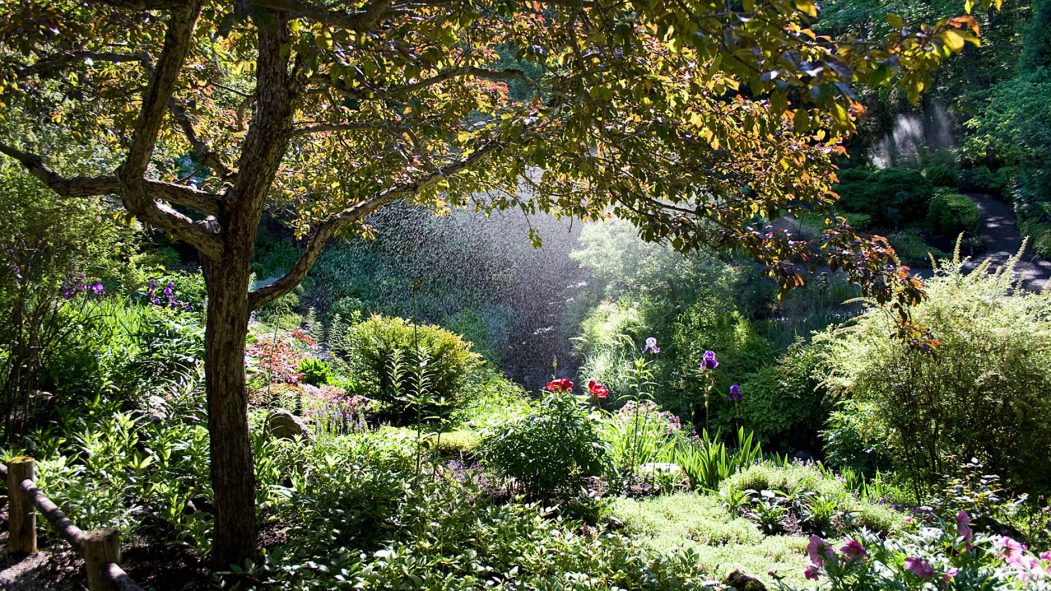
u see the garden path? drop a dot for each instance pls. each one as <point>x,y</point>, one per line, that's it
<point>1003,240</point>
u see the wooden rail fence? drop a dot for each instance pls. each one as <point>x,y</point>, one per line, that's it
<point>100,548</point>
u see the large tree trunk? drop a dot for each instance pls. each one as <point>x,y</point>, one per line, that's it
<point>232,470</point>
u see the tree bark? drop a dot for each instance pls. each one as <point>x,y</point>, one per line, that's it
<point>232,471</point>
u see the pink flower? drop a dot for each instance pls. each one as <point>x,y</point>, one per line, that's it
<point>818,549</point>
<point>908,519</point>
<point>948,576</point>
<point>919,567</point>
<point>811,573</point>
<point>1046,557</point>
<point>963,527</point>
<point>853,549</point>
<point>1012,551</point>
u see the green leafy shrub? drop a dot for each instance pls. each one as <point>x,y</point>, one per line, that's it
<point>547,452</point>
<point>636,434</point>
<point>889,195</point>
<point>981,394</point>
<point>980,179</point>
<point>708,461</point>
<point>452,537</point>
<point>780,403</point>
<point>394,358</point>
<point>951,213</point>
<point>346,489</point>
<point>316,372</point>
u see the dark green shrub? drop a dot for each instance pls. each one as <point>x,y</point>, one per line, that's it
<point>316,372</point>
<point>951,213</point>
<point>547,452</point>
<point>981,180</point>
<point>889,195</point>
<point>982,394</point>
<point>395,360</point>
<point>941,175</point>
<point>913,250</point>
<point>780,404</point>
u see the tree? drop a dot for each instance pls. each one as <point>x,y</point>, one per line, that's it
<point>698,121</point>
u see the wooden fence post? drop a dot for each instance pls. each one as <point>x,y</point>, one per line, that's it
<point>21,514</point>
<point>101,546</point>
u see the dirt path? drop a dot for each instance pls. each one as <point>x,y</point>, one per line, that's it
<point>1003,240</point>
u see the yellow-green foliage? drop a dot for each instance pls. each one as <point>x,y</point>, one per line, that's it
<point>396,359</point>
<point>721,541</point>
<point>983,393</point>
<point>459,444</point>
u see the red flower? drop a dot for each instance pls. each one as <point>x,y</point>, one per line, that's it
<point>560,385</point>
<point>598,389</point>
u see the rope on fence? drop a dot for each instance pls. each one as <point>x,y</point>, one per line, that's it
<point>120,579</point>
<point>62,524</point>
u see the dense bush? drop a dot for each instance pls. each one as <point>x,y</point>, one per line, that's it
<point>941,175</point>
<point>452,537</point>
<point>781,404</point>
<point>951,213</point>
<point>396,360</point>
<point>547,452</point>
<point>980,394</point>
<point>913,250</point>
<point>889,195</point>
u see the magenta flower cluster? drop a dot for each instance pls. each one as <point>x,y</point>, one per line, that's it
<point>165,298</point>
<point>95,288</point>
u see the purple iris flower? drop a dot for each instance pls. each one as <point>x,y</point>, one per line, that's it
<point>709,361</point>
<point>651,346</point>
<point>68,291</point>
<point>735,393</point>
<point>98,289</point>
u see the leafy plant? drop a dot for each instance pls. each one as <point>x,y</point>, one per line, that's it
<point>547,452</point>
<point>316,372</point>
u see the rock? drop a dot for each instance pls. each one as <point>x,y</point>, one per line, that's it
<point>284,425</point>
<point>157,409</point>
<point>742,582</point>
<point>664,476</point>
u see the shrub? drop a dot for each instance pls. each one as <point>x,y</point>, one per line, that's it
<point>941,175</point>
<point>547,452</point>
<point>889,195</point>
<point>316,372</point>
<point>981,394</point>
<point>456,538</point>
<point>397,360</point>
<point>780,404</point>
<point>951,213</point>
<point>913,250</point>
<point>638,434</point>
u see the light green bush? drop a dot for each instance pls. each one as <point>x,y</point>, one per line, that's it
<point>982,394</point>
<point>395,360</point>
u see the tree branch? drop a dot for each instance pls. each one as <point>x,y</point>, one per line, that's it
<point>328,228</point>
<point>208,156</point>
<point>81,186</point>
